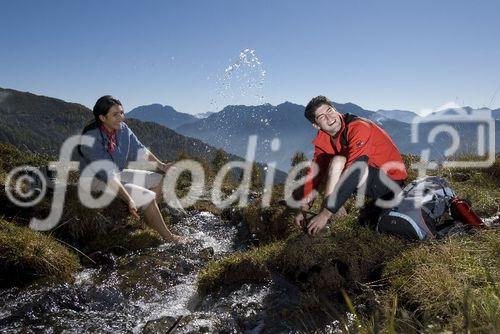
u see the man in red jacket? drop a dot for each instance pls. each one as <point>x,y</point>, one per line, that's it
<point>354,153</point>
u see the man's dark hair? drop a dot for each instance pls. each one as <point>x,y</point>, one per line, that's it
<point>314,104</point>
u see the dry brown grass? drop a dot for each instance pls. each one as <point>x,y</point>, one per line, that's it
<point>439,279</point>
<point>25,253</point>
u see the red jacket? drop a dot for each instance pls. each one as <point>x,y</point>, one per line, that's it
<point>364,138</point>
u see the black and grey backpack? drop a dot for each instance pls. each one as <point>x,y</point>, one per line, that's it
<point>424,205</point>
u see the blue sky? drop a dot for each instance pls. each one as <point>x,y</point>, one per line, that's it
<point>411,55</point>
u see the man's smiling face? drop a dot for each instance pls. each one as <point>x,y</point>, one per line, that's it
<point>327,119</point>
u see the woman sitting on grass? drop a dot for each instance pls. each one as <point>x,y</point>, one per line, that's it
<point>114,141</point>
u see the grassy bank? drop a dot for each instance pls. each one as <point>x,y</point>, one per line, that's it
<point>26,254</point>
<point>87,233</point>
<point>385,283</point>
<point>453,282</point>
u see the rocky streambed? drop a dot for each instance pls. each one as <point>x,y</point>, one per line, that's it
<point>149,291</point>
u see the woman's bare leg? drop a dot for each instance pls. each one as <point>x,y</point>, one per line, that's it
<point>159,192</point>
<point>155,220</point>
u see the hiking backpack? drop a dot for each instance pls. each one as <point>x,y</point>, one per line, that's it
<point>424,205</point>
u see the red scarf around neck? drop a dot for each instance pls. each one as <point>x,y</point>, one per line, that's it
<point>111,138</point>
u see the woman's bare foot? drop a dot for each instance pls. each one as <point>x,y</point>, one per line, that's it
<point>176,239</point>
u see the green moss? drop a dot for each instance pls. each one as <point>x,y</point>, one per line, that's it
<point>239,268</point>
<point>123,240</point>
<point>25,253</point>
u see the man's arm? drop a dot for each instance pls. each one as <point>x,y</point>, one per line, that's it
<point>164,166</point>
<point>336,167</point>
<point>339,191</point>
<point>320,161</point>
<point>151,157</point>
<point>343,188</point>
<point>352,178</point>
<point>335,170</point>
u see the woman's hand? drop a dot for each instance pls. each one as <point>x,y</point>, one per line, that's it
<point>132,209</point>
<point>165,166</point>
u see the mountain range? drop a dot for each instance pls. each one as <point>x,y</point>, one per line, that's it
<point>173,119</point>
<point>231,127</point>
<point>27,119</point>
<point>41,124</point>
<point>163,115</point>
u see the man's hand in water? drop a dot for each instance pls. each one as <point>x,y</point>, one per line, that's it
<point>300,217</point>
<point>318,222</point>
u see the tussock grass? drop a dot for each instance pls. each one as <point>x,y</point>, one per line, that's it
<point>91,230</point>
<point>109,228</point>
<point>123,239</point>
<point>271,223</point>
<point>350,253</point>
<point>441,279</point>
<point>25,253</point>
<point>482,190</point>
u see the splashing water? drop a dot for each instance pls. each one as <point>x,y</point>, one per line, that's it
<point>241,82</point>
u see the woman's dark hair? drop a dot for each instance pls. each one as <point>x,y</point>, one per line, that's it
<point>101,107</point>
<point>314,104</point>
